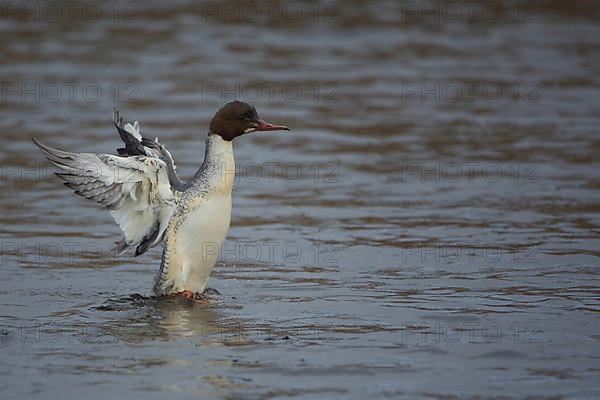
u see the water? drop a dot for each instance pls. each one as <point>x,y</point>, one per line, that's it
<point>429,228</point>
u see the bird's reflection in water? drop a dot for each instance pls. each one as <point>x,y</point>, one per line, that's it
<point>142,318</point>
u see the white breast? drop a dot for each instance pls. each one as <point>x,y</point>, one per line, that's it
<point>199,241</point>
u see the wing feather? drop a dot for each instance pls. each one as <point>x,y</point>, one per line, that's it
<point>136,190</point>
<point>136,145</point>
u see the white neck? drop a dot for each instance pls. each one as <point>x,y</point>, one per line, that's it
<point>218,169</point>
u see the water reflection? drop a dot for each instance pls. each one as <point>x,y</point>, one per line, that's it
<point>144,318</point>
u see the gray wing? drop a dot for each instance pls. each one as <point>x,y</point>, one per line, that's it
<point>135,189</point>
<point>136,145</point>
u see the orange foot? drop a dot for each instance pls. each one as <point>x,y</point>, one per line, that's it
<point>191,296</point>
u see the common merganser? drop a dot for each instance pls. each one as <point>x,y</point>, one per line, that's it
<point>151,204</point>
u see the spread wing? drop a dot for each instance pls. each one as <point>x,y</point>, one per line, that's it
<point>136,189</point>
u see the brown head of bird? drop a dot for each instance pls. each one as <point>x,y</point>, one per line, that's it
<point>238,118</point>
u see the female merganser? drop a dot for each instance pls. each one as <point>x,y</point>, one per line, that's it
<point>150,203</point>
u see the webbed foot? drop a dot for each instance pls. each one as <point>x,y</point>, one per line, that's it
<point>190,296</point>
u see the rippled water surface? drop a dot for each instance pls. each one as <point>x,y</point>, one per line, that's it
<point>430,228</point>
